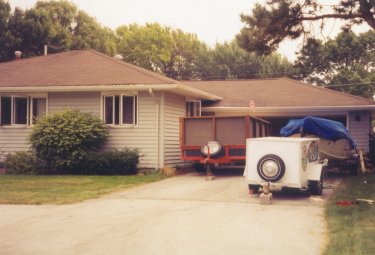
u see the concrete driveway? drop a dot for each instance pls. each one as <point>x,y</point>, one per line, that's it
<point>180,215</point>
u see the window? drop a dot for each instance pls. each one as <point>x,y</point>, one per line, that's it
<point>38,108</point>
<point>129,108</point>
<point>19,110</point>
<point>120,110</point>
<point>193,108</point>
<point>6,110</point>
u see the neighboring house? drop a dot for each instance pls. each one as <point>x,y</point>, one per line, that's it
<point>141,108</point>
<point>281,99</point>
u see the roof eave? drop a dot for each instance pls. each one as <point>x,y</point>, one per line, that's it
<point>173,88</point>
<point>289,109</point>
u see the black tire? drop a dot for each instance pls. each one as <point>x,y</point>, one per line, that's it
<point>212,154</point>
<point>254,188</point>
<point>316,187</point>
<point>276,161</point>
<point>200,168</point>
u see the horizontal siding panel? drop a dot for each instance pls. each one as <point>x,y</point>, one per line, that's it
<point>83,101</point>
<point>174,108</point>
<point>141,137</point>
<point>13,140</point>
<point>360,129</point>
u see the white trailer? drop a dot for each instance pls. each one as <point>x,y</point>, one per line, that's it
<point>284,162</point>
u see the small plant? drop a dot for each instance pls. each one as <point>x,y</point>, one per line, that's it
<point>168,171</point>
<point>63,139</point>
<point>22,162</point>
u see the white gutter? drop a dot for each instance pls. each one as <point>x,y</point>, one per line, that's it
<point>157,107</point>
<point>198,91</point>
<point>177,88</point>
<point>289,109</point>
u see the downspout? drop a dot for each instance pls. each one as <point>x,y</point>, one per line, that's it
<point>157,107</point>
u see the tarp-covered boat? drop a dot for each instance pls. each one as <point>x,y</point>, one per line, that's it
<point>335,141</point>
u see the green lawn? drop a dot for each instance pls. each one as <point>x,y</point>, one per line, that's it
<point>352,228</point>
<point>25,189</point>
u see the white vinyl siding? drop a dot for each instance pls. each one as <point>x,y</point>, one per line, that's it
<point>359,129</point>
<point>142,136</point>
<point>13,139</point>
<point>174,108</point>
<point>82,101</point>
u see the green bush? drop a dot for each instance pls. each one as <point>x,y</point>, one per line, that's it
<point>23,162</point>
<point>111,162</point>
<point>63,139</point>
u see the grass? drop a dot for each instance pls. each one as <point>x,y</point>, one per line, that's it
<point>352,228</point>
<point>26,189</point>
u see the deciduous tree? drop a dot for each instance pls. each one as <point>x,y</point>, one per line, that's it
<point>58,24</point>
<point>346,63</point>
<point>269,24</point>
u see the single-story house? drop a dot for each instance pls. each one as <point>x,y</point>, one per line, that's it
<point>141,108</point>
<point>280,99</point>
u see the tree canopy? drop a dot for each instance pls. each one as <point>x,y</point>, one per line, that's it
<point>346,63</point>
<point>161,49</point>
<point>269,24</point>
<point>165,50</point>
<point>58,24</point>
<point>229,61</point>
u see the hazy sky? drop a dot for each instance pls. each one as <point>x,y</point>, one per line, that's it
<point>212,20</point>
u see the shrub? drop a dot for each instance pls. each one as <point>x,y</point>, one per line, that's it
<point>22,162</point>
<point>111,162</point>
<point>64,138</point>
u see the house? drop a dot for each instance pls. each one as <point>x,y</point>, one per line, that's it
<point>140,108</point>
<point>280,99</point>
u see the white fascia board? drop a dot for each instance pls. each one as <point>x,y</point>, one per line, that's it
<point>174,88</point>
<point>197,93</point>
<point>80,88</point>
<point>289,109</point>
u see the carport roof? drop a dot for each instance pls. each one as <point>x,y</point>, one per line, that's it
<point>278,92</point>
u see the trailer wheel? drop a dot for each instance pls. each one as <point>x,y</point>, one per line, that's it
<point>316,187</point>
<point>200,168</point>
<point>271,168</point>
<point>214,147</point>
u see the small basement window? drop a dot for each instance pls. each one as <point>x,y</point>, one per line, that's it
<point>193,108</point>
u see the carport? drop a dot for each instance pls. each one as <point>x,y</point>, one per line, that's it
<point>280,99</point>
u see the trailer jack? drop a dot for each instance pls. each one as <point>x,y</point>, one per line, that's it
<point>209,174</point>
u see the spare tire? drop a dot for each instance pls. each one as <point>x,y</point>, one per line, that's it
<point>271,168</point>
<point>214,147</point>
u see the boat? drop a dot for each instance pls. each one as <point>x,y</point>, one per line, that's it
<point>336,144</point>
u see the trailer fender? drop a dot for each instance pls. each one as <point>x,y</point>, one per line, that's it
<point>315,171</point>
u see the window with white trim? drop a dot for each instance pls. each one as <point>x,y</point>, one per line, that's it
<point>38,109</point>
<point>120,110</point>
<point>193,108</point>
<point>21,110</point>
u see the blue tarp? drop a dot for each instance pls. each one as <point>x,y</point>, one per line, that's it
<point>327,129</point>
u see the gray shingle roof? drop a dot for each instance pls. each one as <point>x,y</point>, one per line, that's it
<point>279,92</point>
<point>75,68</point>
